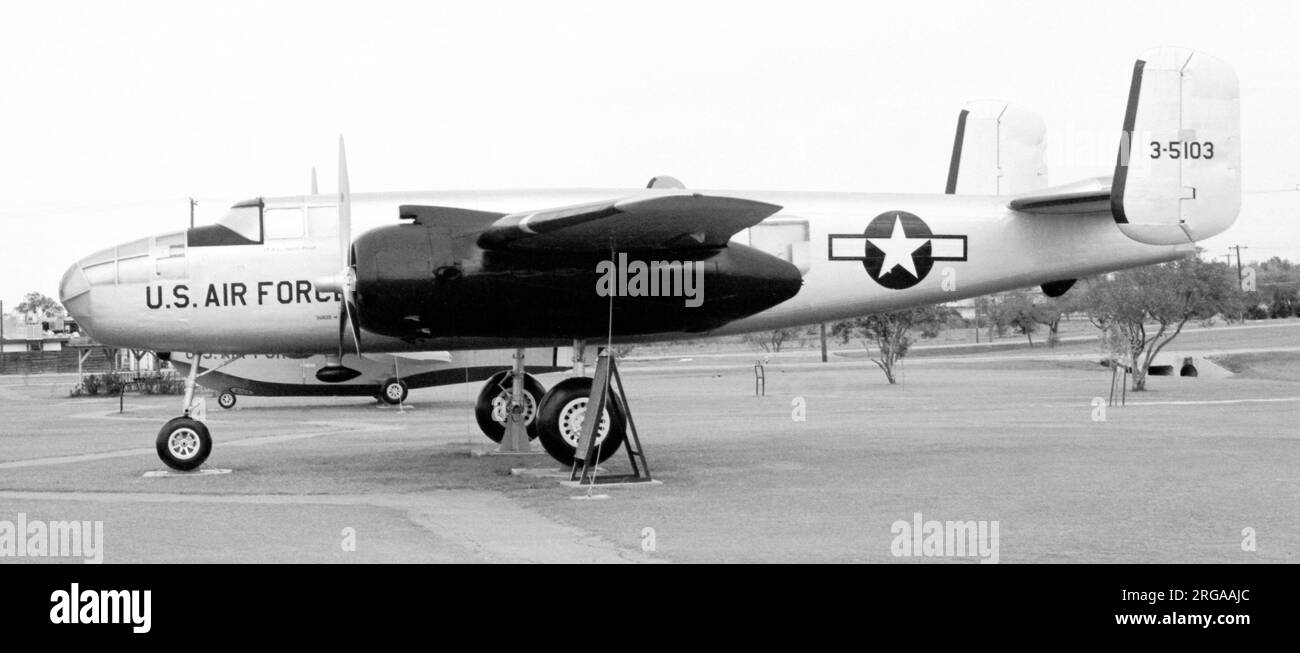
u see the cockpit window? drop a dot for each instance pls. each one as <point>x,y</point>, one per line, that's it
<point>244,220</point>
<point>283,223</point>
<point>241,225</point>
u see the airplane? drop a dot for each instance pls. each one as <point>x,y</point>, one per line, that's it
<point>513,269</point>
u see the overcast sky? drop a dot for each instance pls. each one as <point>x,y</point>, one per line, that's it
<point>112,113</point>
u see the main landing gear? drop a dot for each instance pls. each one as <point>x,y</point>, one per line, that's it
<point>494,405</point>
<point>553,417</point>
<point>560,421</point>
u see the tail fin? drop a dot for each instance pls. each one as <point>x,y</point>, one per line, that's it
<point>1178,174</point>
<point>998,150</point>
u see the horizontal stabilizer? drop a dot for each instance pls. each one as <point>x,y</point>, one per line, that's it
<point>1088,196</point>
<point>660,222</point>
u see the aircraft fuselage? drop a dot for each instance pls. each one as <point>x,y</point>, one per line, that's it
<point>857,254</point>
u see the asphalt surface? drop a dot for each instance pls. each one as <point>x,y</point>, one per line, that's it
<point>1174,476</point>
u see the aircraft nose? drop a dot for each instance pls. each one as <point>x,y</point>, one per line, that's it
<point>74,294</point>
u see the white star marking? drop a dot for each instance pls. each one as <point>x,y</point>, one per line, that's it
<point>898,249</point>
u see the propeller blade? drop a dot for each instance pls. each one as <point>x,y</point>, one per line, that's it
<point>335,371</point>
<point>350,315</point>
<point>345,206</point>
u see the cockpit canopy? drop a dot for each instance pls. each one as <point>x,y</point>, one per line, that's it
<point>256,221</point>
<point>241,225</point>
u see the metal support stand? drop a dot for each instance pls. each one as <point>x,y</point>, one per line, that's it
<point>515,439</point>
<point>606,380</point>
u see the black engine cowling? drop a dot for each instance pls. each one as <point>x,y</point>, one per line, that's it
<point>430,279</point>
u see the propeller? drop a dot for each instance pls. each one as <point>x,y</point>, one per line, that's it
<point>344,283</point>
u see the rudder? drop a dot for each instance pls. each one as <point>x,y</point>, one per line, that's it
<point>1178,173</point>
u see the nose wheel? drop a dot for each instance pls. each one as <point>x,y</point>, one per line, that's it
<point>183,443</point>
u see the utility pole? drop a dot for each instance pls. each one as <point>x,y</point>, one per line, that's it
<point>1241,315</point>
<point>193,203</point>
<point>1238,248</point>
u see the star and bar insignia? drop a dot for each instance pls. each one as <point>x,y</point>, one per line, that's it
<point>897,249</point>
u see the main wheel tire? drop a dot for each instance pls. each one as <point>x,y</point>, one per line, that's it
<point>559,421</point>
<point>226,400</point>
<point>494,399</point>
<point>393,391</point>
<point>183,443</point>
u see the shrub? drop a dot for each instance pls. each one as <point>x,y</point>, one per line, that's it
<point>91,385</point>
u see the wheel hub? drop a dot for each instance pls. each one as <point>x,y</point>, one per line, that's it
<point>183,443</point>
<point>501,407</point>
<point>571,422</point>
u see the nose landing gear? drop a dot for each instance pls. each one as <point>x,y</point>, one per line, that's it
<point>184,442</point>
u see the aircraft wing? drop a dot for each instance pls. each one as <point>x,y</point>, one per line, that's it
<point>664,222</point>
<point>1088,196</point>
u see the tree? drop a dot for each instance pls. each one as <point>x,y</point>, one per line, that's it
<point>1023,311</point>
<point>1278,282</point>
<point>891,332</point>
<point>1128,305</point>
<point>1020,312</point>
<point>771,341</point>
<point>35,302</point>
<point>1051,310</point>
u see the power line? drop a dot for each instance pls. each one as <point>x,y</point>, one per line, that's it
<point>50,210</point>
<point>1296,189</point>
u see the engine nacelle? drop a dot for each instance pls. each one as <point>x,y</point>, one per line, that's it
<point>432,280</point>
